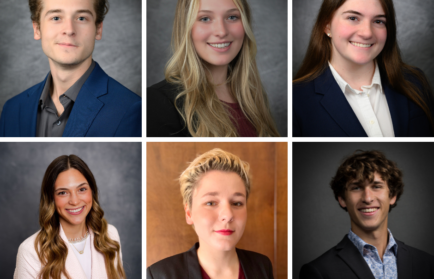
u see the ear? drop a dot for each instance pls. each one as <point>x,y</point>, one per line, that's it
<point>98,35</point>
<point>188,218</point>
<point>342,202</point>
<point>36,31</point>
<point>393,200</point>
<point>327,30</point>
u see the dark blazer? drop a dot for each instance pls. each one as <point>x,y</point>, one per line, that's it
<point>344,261</point>
<point>320,109</point>
<point>186,266</point>
<point>103,108</point>
<point>163,119</point>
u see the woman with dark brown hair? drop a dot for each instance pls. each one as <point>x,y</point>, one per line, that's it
<point>75,240</point>
<point>353,82</point>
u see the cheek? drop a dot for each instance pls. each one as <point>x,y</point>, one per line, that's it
<point>382,36</point>
<point>199,34</point>
<point>237,30</point>
<point>59,202</point>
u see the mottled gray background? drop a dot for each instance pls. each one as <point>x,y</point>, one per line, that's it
<point>117,169</point>
<point>415,26</point>
<point>24,64</point>
<point>270,28</point>
<point>319,223</point>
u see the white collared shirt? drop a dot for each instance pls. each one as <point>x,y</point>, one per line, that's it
<point>370,105</point>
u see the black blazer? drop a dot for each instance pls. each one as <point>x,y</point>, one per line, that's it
<point>320,109</point>
<point>186,266</point>
<point>163,119</point>
<point>344,261</point>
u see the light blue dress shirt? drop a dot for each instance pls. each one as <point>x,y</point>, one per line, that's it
<point>386,269</point>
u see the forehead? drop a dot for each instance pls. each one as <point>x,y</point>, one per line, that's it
<point>68,5</point>
<point>216,6</point>
<point>69,179</point>
<point>365,7</point>
<point>376,178</point>
<point>224,183</point>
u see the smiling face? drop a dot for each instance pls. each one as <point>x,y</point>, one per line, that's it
<point>218,32</point>
<point>72,197</point>
<point>218,211</point>
<point>358,33</point>
<point>67,31</point>
<point>368,205</point>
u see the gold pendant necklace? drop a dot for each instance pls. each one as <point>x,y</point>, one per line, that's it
<point>85,239</point>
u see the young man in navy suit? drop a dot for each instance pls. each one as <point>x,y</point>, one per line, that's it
<point>368,185</point>
<point>77,98</point>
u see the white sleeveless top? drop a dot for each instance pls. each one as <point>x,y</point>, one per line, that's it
<point>85,259</point>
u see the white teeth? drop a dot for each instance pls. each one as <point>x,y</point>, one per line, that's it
<point>368,209</point>
<point>76,210</point>
<point>361,45</point>
<point>220,45</point>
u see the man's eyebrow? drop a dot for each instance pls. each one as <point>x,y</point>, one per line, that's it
<point>238,194</point>
<point>66,189</point>
<point>357,13</point>
<point>60,11</point>
<point>211,194</point>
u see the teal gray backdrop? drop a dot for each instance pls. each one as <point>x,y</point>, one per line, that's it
<point>117,169</point>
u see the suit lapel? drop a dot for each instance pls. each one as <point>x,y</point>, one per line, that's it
<point>98,263</point>
<point>398,107</point>
<point>193,262</point>
<point>87,105</point>
<point>29,111</point>
<point>337,106</point>
<point>404,261</point>
<point>351,256</point>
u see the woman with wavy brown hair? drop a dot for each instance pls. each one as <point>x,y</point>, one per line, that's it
<point>75,240</point>
<point>353,82</point>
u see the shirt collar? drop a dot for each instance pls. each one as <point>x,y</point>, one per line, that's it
<point>360,244</point>
<point>72,92</point>
<point>343,85</point>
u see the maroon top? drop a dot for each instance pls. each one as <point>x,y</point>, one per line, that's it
<point>243,125</point>
<point>240,274</point>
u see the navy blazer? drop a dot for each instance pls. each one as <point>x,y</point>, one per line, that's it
<point>344,261</point>
<point>320,109</point>
<point>186,266</point>
<point>103,108</point>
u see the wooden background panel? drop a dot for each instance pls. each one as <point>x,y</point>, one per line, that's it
<point>167,232</point>
<point>281,261</point>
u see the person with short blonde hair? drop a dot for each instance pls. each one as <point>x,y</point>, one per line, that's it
<point>215,188</point>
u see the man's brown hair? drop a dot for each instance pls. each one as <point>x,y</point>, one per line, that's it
<point>101,9</point>
<point>361,166</point>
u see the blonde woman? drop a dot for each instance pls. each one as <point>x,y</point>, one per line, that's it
<point>75,241</point>
<point>215,188</point>
<point>212,86</point>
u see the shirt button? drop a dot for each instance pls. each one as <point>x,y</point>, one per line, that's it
<point>372,122</point>
<point>58,123</point>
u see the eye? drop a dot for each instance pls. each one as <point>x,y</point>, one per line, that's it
<point>62,193</point>
<point>205,19</point>
<point>55,18</point>
<point>211,203</point>
<point>82,189</point>
<point>378,21</point>
<point>81,18</point>
<point>238,204</point>
<point>352,18</point>
<point>355,188</point>
<point>233,18</point>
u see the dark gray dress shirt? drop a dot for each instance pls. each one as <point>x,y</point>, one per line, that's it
<point>49,123</point>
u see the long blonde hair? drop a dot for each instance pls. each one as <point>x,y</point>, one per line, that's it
<point>203,113</point>
<point>50,247</point>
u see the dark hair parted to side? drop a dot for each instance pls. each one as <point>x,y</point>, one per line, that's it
<point>361,166</point>
<point>101,9</point>
<point>390,63</point>
<point>50,247</point>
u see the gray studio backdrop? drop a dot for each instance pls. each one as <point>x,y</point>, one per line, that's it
<point>270,28</point>
<point>318,221</point>
<point>117,169</point>
<point>24,64</point>
<point>415,28</point>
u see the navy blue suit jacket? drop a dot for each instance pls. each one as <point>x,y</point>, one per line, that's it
<point>103,108</point>
<point>320,109</point>
<point>344,261</point>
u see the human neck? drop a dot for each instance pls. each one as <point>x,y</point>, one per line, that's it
<point>378,238</point>
<point>64,76</point>
<point>73,231</point>
<point>355,75</point>
<point>218,264</point>
<point>218,77</point>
